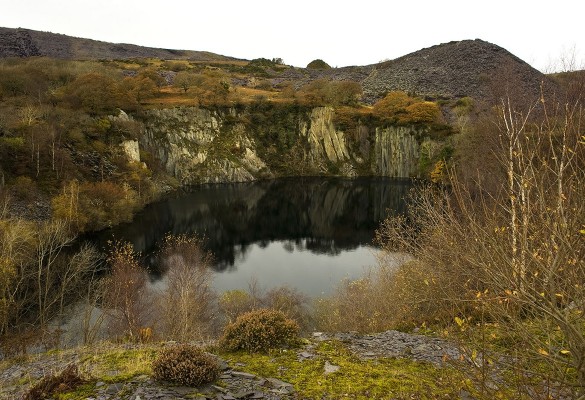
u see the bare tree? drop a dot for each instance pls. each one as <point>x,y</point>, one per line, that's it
<point>510,261</point>
<point>126,295</point>
<point>39,275</point>
<point>52,238</point>
<point>15,237</point>
<point>186,303</point>
<point>29,114</point>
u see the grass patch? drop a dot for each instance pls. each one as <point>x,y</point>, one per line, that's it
<point>111,365</point>
<point>119,365</point>
<point>80,393</point>
<point>356,378</point>
<point>170,97</point>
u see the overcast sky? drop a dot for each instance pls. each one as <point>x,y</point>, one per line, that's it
<point>298,31</point>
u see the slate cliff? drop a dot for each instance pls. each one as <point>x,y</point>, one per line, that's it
<point>199,146</point>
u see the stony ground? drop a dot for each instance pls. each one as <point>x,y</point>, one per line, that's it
<point>233,384</point>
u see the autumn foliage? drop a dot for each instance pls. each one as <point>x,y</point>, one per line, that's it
<point>399,107</point>
<point>95,205</point>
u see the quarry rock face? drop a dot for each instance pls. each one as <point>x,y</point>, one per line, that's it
<point>397,151</point>
<point>198,146</point>
<point>325,142</point>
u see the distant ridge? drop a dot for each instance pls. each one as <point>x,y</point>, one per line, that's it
<point>20,42</point>
<point>473,68</point>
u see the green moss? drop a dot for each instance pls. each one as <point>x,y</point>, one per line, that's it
<point>80,393</point>
<point>119,365</point>
<point>356,378</point>
<point>111,366</point>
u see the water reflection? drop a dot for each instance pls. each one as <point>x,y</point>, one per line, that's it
<point>310,216</point>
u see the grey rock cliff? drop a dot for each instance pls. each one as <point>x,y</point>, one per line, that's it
<point>397,151</point>
<point>189,142</point>
<point>325,142</point>
<point>197,145</point>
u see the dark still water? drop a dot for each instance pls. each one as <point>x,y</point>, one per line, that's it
<point>308,233</point>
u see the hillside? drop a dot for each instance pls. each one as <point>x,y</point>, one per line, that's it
<point>29,43</point>
<point>257,118</point>
<point>472,68</point>
<point>467,68</point>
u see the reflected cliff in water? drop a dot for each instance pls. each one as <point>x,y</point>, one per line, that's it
<point>321,215</point>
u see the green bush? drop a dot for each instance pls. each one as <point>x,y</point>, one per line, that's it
<point>318,64</point>
<point>186,365</point>
<point>260,331</point>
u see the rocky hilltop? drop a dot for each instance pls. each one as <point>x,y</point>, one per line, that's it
<point>30,43</point>
<point>473,68</point>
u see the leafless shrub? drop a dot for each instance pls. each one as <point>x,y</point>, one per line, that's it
<point>290,301</point>
<point>126,296</point>
<point>234,303</point>
<point>369,304</point>
<point>186,304</point>
<point>507,264</point>
<point>50,385</point>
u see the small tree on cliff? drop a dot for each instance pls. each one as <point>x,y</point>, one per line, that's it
<point>184,80</point>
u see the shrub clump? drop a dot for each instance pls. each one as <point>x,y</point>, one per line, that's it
<point>260,331</point>
<point>67,380</point>
<point>186,365</point>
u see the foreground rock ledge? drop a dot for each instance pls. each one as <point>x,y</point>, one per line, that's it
<point>232,384</point>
